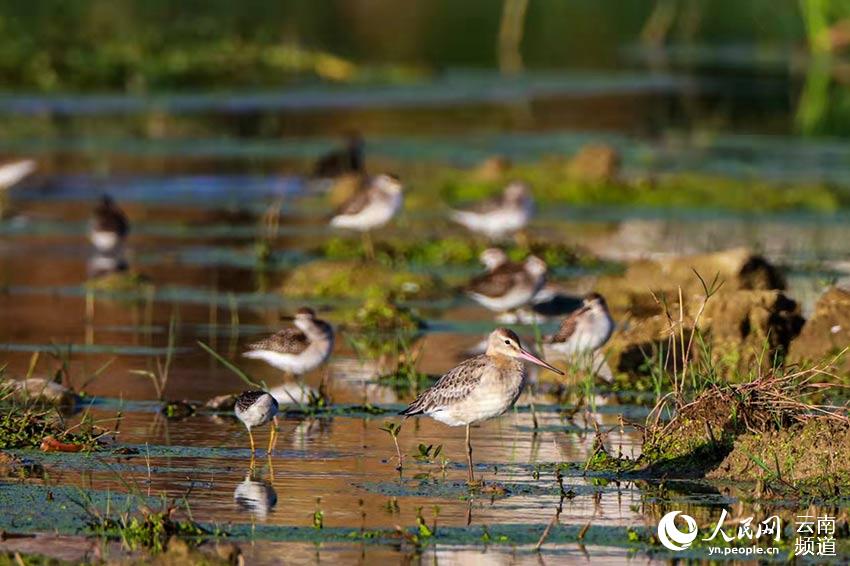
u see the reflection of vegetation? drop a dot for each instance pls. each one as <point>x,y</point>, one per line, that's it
<point>824,105</point>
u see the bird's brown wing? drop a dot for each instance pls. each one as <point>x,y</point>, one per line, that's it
<point>355,204</point>
<point>568,326</point>
<point>454,386</point>
<point>497,282</point>
<point>484,206</point>
<point>287,341</point>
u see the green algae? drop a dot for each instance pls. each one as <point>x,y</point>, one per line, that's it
<point>322,279</point>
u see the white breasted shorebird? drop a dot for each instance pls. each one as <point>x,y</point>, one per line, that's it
<point>371,208</point>
<point>109,226</point>
<point>14,172</point>
<point>584,331</point>
<point>492,258</point>
<point>499,217</point>
<point>296,350</point>
<point>256,408</point>
<point>509,285</point>
<point>480,388</point>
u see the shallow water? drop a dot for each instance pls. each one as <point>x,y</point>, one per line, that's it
<point>194,223</point>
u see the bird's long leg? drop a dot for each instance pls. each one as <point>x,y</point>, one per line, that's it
<point>272,436</point>
<point>251,438</point>
<point>470,474</point>
<point>368,248</point>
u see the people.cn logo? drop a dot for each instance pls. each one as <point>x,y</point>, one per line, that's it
<point>671,537</point>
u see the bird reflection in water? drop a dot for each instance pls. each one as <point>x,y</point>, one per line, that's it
<point>256,496</point>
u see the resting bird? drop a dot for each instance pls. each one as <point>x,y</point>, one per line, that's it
<point>371,208</point>
<point>509,285</point>
<point>296,350</point>
<point>480,388</point>
<point>499,217</point>
<point>584,331</point>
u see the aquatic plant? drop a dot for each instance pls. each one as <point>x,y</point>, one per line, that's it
<point>393,430</point>
<point>27,422</point>
<point>146,529</point>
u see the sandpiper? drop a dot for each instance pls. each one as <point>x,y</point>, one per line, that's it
<point>509,285</point>
<point>12,173</point>
<point>344,161</point>
<point>492,258</point>
<point>371,208</point>
<point>109,226</point>
<point>584,331</point>
<point>296,350</point>
<point>480,388</point>
<point>499,217</point>
<point>255,408</point>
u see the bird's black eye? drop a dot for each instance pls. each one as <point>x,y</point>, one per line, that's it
<point>507,341</point>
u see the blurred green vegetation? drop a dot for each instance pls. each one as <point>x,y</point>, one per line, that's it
<point>133,45</point>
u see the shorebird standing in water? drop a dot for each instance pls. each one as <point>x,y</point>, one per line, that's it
<point>509,285</point>
<point>480,388</point>
<point>584,331</point>
<point>499,217</point>
<point>296,350</point>
<point>255,408</point>
<point>371,208</point>
<point>109,226</point>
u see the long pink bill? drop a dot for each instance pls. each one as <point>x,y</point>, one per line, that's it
<point>528,356</point>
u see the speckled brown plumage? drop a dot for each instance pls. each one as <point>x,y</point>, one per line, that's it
<point>568,326</point>
<point>457,384</point>
<point>500,281</point>
<point>287,341</point>
<point>248,398</point>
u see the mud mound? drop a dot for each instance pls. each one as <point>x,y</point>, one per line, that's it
<point>707,432</point>
<point>812,457</point>
<point>827,332</point>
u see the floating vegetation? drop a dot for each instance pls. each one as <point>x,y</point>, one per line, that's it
<point>121,282</point>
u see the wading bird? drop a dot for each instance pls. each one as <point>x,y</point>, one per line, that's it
<point>109,226</point>
<point>255,408</point>
<point>371,208</point>
<point>509,285</point>
<point>298,350</point>
<point>480,388</point>
<point>499,217</point>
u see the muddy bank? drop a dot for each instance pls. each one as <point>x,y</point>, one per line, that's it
<point>764,431</point>
<point>827,333</point>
